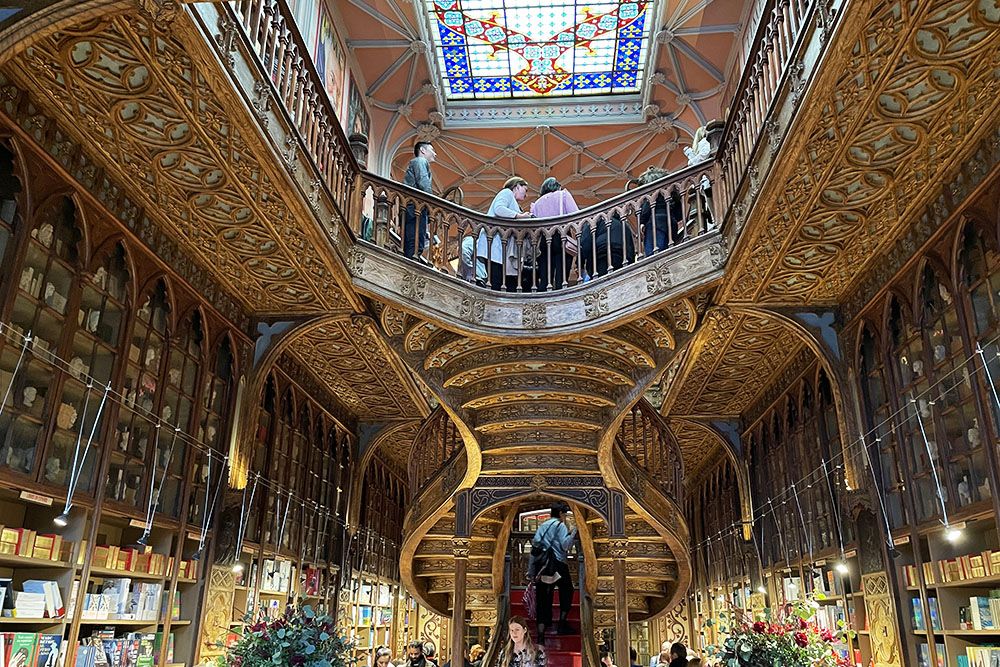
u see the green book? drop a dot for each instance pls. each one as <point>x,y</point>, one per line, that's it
<point>25,644</point>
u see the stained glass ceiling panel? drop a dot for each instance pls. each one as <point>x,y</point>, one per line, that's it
<point>489,49</point>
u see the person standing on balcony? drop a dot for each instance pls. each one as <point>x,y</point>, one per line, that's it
<point>554,535</point>
<point>553,263</point>
<point>418,175</point>
<point>506,204</point>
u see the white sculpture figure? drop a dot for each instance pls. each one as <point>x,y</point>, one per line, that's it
<point>29,395</point>
<point>973,435</point>
<point>53,470</point>
<point>964,492</point>
<point>700,147</point>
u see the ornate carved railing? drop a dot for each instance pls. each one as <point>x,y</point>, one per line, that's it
<point>645,439</point>
<point>767,67</point>
<point>607,237</point>
<point>272,34</point>
<point>436,445</point>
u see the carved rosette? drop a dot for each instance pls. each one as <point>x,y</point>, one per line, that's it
<point>658,279</point>
<point>472,310</point>
<point>534,316</point>
<point>618,548</point>
<point>460,547</point>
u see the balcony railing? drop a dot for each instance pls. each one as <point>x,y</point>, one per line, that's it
<point>272,34</point>
<point>645,440</point>
<point>537,255</point>
<point>776,42</point>
<point>530,255</point>
<point>436,445</point>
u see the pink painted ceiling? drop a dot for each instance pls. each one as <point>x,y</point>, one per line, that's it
<point>697,50</point>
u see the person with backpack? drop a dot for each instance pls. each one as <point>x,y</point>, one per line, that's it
<point>548,567</point>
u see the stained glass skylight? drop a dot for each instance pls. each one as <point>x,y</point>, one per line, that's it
<point>489,49</point>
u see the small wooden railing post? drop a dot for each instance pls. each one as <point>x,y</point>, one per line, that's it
<point>381,219</point>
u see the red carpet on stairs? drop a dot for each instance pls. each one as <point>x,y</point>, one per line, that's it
<point>561,650</point>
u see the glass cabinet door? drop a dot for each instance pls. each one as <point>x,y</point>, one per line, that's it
<point>45,280</point>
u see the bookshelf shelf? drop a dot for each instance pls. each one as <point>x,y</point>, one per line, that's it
<point>119,621</point>
<point>32,621</point>
<point>8,560</point>
<point>98,572</point>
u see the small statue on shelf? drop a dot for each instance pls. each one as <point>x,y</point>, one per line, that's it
<point>28,396</point>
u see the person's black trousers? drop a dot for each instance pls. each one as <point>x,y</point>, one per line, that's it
<point>546,591</point>
<point>414,239</point>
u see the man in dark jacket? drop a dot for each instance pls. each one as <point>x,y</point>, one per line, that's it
<point>415,654</point>
<point>610,246</point>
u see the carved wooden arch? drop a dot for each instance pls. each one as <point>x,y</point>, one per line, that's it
<point>44,18</point>
<point>101,253</point>
<point>837,371</point>
<point>740,468</point>
<point>80,220</point>
<point>357,478</point>
<point>603,503</point>
<point>147,287</point>
<point>20,172</point>
<point>972,222</point>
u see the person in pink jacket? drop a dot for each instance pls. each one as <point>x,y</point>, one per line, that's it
<point>555,260</point>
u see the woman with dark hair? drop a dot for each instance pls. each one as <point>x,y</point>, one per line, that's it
<point>678,655</point>
<point>556,259</point>
<point>383,657</point>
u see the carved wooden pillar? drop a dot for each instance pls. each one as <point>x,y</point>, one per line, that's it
<point>381,219</point>
<point>619,552</point>
<point>460,549</point>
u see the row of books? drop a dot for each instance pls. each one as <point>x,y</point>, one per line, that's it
<point>277,575</point>
<point>971,566</point>
<point>29,544</point>
<point>29,649</point>
<point>977,656</point>
<point>983,613</point>
<point>140,561</point>
<point>39,598</point>
<point>135,649</point>
<point>919,622</point>
<point>924,655</point>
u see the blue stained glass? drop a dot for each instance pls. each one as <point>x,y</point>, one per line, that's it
<point>549,48</point>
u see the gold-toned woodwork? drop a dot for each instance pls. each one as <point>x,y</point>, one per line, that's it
<point>881,620</point>
<point>879,134</point>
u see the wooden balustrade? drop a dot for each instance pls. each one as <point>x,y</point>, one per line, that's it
<point>271,33</point>
<point>645,439</point>
<point>530,255</point>
<point>776,42</point>
<point>436,445</point>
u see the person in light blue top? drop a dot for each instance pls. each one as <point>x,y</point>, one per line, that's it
<point>494,266</point>
<point>553,534</point>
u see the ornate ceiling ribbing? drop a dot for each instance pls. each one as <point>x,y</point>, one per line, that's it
<point>695,41</point>
<point>699,445</point>
<point>348,358</point>
<point>899,104</point>
<point>736,356</point>
<point>146,102</point>
<point>160,119</point>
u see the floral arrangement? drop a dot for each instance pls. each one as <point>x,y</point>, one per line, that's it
<point>787,638</point>
<point>299,637</point>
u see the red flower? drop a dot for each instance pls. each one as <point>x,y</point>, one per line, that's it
<point>759,626</point>
<point>801,639</point>
<point>827,636</point>
<point>802,624</point>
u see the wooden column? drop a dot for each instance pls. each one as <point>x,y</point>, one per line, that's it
<point>619,552</point>
<point>460,549</point>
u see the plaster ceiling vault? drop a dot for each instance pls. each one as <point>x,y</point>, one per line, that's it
<point>149,107</point>
<point>694,43</point>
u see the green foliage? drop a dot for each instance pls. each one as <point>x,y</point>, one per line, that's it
<point>299,638</point>
<point>785,638</point>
